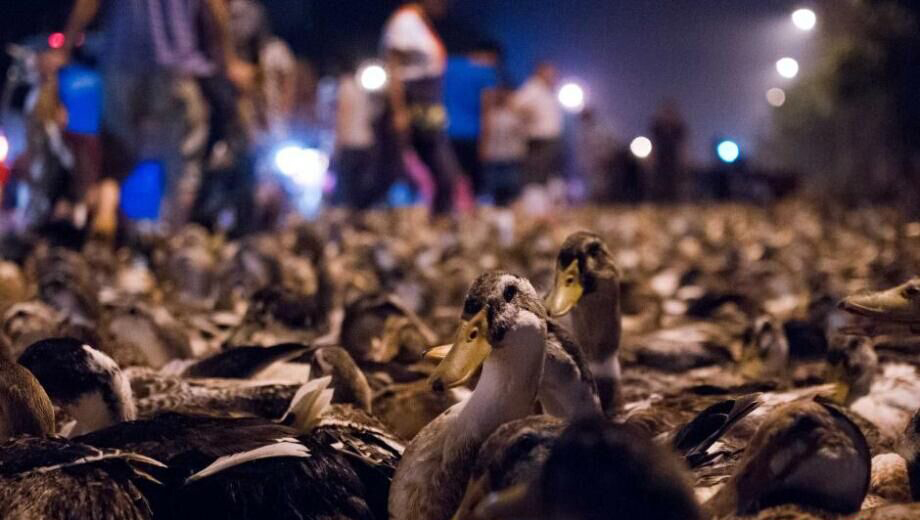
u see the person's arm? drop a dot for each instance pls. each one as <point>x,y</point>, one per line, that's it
<point>487,104</point>
<point>397,95</point>
<point>242,74</point>
<point>84,12</point>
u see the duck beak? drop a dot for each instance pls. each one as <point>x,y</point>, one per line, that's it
<point>469,352</point>
<point>886,305</point>
<point>841,391</point>
<point>517,501</point>
<point>566,291</point>
<point>438,353</point>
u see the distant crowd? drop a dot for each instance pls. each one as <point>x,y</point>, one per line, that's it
<point>204,91</point>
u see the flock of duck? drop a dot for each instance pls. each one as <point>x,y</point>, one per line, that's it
<point>659,363</point>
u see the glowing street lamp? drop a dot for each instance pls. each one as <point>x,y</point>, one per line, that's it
<point>776,97</point>
<point>641,147</point>
<point>787,68</point>
<point>372,77</point>
<point>572,97</point>
<point>804,19</point>
<point>728,151</point>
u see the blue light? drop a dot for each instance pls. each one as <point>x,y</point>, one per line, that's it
<point>728,151</point>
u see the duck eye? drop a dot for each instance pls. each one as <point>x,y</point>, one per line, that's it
<point>912,291</point>
<point>510,293</point>
<point>594,249</point>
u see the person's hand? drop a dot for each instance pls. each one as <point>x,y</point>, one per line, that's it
<point>241,74</point>
<point>49,62</point>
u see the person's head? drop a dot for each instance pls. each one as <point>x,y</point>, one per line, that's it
<point>487,53</point>
<point>502,95</point>
<point>547,73</point>
<point>435,8</point>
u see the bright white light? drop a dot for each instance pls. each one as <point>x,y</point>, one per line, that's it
<point>372,77</point>
<point>787,68</point>
<point>572,97</point>
<point>4,148</point>
<point>641,147</point>
<point>728,151</point>
<point>304,166</point>
<point>804,19</point>
<point>776,97</point>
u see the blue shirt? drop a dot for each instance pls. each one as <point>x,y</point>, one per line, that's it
<point>80,90</point>
<point>464,83</point>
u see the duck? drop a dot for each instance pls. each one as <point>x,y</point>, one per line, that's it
<point>587,286</point>
<point>788,460</point>
<point>503,330</point>
<point>595,467</point>
<point>294,468</point>
<point>42,476</point>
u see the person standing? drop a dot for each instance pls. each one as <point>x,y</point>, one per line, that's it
<point>469,76</point>
<point>503,148</point>
<point>354,143</point>
<point>668,132</point>
<point>156,51</point>
<point>416,60</point>
<point>543,118</point>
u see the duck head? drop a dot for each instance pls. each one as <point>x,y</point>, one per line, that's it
<point>851,366</point>
<point>25,408</point>
<point>765,349</point>
<point>896,306</point>
<point>630,474</point>
<point>502,316</point>
<point>83,381</point>
<point>584,272</point>
<point>349,381</point>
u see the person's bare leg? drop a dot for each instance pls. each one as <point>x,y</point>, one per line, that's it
<point>105,222</point>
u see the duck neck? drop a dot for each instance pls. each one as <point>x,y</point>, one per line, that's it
<point>913,476</point>
<point>108,405</point>
<point>596,322</point>
<point>508,385</point>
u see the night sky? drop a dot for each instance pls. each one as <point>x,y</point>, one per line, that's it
<point>715,57</point>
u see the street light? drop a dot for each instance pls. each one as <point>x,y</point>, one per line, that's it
<point>372,77</point>
<point>804,19</point>
<point>572,97</point>
<point>787,68</point>
<point>776,97</point>
<point>728,151</point>
<point>641,147</point>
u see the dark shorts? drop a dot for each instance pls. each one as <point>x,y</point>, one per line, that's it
<point>87,153</point>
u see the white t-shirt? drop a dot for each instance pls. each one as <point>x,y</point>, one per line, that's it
<point>542,114</point>
<point>408,32</point>
<point>354,121</point>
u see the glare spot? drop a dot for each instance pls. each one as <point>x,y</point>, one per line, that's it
<point>572,97</point>
<point>776,97</point>
<point>372,77</point>
<point>56,40</point>
<point>304,166</point>
<point>728,151</point>
<point>4,148</point>
<point>804,19</point>
<point>787,68</point>
<point>641,147</point>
